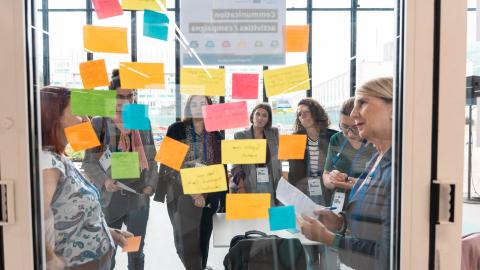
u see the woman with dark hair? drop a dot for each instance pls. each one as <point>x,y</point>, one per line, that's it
<point>191,215</point>
<point>123,207</point>
<point>259,178</point>
<point>76,234</point>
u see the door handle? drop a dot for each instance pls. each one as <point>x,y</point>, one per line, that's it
<point>7,199</point>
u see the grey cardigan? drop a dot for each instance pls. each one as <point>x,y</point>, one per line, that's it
<point>272,137</point>
<point>119,203</point>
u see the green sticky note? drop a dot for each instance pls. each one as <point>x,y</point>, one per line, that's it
<point>93,102</point>
<point>125,165</point>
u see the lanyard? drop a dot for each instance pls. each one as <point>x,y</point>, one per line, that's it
<point>106,139</point>
<point>307,158</point>
<point>194,138</point>
<point>358,153</point>
<point>362,187</point>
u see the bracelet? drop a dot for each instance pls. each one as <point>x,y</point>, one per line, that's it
<point>343,229</point>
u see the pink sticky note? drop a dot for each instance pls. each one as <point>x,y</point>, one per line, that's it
<point>225,116</point>
<point>107,8</point>
<point>244,86</point>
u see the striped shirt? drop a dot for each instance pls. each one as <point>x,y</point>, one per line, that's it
<point>314,154</point>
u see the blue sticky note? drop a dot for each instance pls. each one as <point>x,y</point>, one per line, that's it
<point>155,25</point>
<point>135,116</point>
<point>282,218</point>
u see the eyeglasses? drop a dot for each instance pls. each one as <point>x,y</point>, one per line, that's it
<point>345,129</point>
<point>129,96</point>
<point>304,113</point>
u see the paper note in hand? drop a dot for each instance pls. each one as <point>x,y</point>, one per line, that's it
<point>93,102</point>
<point>249,151</point>
<point>135,116</point>
<point>125,165</point>
<point>81,136</point>
<point>247,206</point>
<point>288,194</point>
<point>133,244</point>
<point>244,86</point>
<point>282,217</point>
<point>172,153</point>
<point>94,74</point>
<point>134,75</point>
<point>203,179</point>
<point>292,147</point>
<point>196,81</point>
<point>142,4</point>
<point>155,25</point>
<point>225,115</point>
<point>286,80</point>
<point>107,8</point>
<point>296,38</point>
<point>105,39</point>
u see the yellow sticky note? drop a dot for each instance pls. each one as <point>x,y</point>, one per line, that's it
<point>142,4</point>
<point>195,81</point>
<point>250,151</point>
<point>105,39</point>
<point>247,206</point>
<point>94,74</point>
<point>286,80</point>
<point>172,153</point>
<point>134,75</point>
<point>292,147</point>
<point>81,136</point>
<point>296,38</point>
<point>203,179</point>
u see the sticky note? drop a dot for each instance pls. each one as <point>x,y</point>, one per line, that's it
<point>172,153</point>
<point>296,38</point>
<point>142,4</point>
<point>155,25</point>
<point>247,206</point>
<point>225,115</point>
<point>244,86</point>
<point>81,136</point>
<point>286,80</point>
<point>135,116</point>
<point>195,81</point>
<point>133,244</point>
<point>107,8</point>
<point>93,102</point>
<point>134,75</point>
<point>249,151</point>
<point>125,165</point>
<point>282,218</point>
<point>292,147</point>
<point>203,179</point>
<point>94,74</point>
<point>105,39</point>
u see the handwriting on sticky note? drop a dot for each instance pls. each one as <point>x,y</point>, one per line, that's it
<point>196,81</point>
<point>296,38</point>
<point>133,244</point>
<point>135,116</point>
<point>225,116</point>
<point>172,153</point>
<point>292,147</point>
<point>134,75</point>
<point>247,206</point>
<point>125,165</point>
<point>286,80</point>
<point>244,86</point>
<point>93,102</point>
<point>105,39</point>
<point>203,179</point>
<point>155,25</point>
<point>94,74</point>
<point>107,8</point>
<point>81,136</point>
<point>249,151</point>
<point>142,4</point>
<point>282,217</point>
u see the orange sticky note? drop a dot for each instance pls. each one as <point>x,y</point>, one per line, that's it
<point>247,206</point>
<point>105,39</point>
<point>292,147</point>
<point>133,244</point>
<point>135,75</point>
<point>172,153</point>
<point>296,38</point>
<point>81,136</point>
<point>94,74</point>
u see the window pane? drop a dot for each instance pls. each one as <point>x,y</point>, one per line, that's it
<point>376,3</point>
<point>296,3</point>
<point>332,4</point>
<point>66,4</point>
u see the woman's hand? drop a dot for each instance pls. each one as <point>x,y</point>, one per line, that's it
<point>120,237</point>
<point>198,200</point>
<point>331,220</point>
<point>315,230</point>
<point>55,263</point>
<point>110,186</point>
<point>341,180</point>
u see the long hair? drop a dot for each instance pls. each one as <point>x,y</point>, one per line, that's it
<point>53,101</point>
<point>319,115</point>
<point>187,112</point>
<point>267,108</point>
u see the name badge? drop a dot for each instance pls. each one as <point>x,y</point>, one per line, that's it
<point>262,175</point>
<point>106,159</point>
<point>338,201</point>
<point>314,186</point>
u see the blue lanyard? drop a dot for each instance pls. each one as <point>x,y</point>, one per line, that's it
<point>106,140</point>
<point>194,138</point>
<point>364,187</point>
<point>354,160</point>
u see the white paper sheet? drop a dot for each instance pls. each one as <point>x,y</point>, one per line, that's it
<point>125,187</point>
<point>290,195</point>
